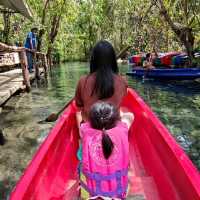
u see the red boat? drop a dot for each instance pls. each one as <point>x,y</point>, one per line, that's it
<point>159,168</point>
<point>166,59</point>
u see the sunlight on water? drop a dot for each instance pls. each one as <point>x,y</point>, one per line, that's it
<point>176,104</point>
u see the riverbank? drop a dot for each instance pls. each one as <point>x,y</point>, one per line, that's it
<point>12,82</point>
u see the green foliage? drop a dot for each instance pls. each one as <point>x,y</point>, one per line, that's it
<point>123,22</point>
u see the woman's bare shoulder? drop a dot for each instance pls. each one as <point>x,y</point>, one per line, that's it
<point>120,77</point>
<point>83,77</point>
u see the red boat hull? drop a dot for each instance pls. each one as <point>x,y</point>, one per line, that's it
<point>159,169</point>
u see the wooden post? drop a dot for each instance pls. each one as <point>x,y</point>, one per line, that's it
<point>25,72</point>
<point>45,64</point>
<point>36,66</point>
<point>2,138</point>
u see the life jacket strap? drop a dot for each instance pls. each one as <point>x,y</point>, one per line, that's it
<point>98,178</point>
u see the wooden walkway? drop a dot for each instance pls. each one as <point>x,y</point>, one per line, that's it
<point>11,82</point>
<point>19,78</point>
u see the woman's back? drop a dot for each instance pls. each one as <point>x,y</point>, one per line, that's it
<point>103,83</point>
<point>85,99</point>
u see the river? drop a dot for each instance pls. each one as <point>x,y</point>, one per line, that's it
<point>177,104</point>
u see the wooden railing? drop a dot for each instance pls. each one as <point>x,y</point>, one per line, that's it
<point>12,55</point>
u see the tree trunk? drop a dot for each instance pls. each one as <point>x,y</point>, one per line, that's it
<point>184,34</point>
<point>123,52</point>
<point>42,31</point>
<point>6,31</point>
<point>187,38</point>
<point>85,49</point>
<point>121,38</point>
<point>91,40</point>
<point>52,36</point>
<point>167,38</point>
<point>49,59</point>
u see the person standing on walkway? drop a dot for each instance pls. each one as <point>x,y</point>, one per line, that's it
<point>31,43</point>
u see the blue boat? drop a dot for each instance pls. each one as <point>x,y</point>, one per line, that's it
<point>167,74</point>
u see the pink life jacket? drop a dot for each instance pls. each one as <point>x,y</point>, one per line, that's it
<point>107,178</point>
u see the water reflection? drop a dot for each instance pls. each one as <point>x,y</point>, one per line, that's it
<point>20,117</point>
<point>176,104</point>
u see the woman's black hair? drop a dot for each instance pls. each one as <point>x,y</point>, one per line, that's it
<point>103,116</point>
<point>103,62</point>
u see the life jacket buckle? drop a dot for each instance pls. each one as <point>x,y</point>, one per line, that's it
<point>97,176</point>
<point>118,174</point>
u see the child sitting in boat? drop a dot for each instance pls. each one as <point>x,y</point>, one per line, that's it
<point>148,63</point>
<point>105,151</point>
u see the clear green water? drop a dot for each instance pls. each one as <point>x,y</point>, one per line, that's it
<point>176,104</point>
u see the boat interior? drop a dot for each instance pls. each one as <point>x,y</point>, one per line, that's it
<point>159,168</point>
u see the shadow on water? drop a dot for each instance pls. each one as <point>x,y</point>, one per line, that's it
<point>177,104</point>
<point>188,88</point>
<point>184,87</point>
<point>5,187</point>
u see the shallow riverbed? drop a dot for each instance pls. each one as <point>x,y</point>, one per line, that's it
<point>176,104</point>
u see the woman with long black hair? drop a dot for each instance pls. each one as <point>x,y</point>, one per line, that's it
<point>103,83</point>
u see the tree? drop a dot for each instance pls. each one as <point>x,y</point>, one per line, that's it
<point>72,28</point>
<point>185,32</point>
<point>6,31</point>
<point>43,20</point>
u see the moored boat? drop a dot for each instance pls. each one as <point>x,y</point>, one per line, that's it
<point>159,168</point>
<point>164,60</point>
<point>166,74</point>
